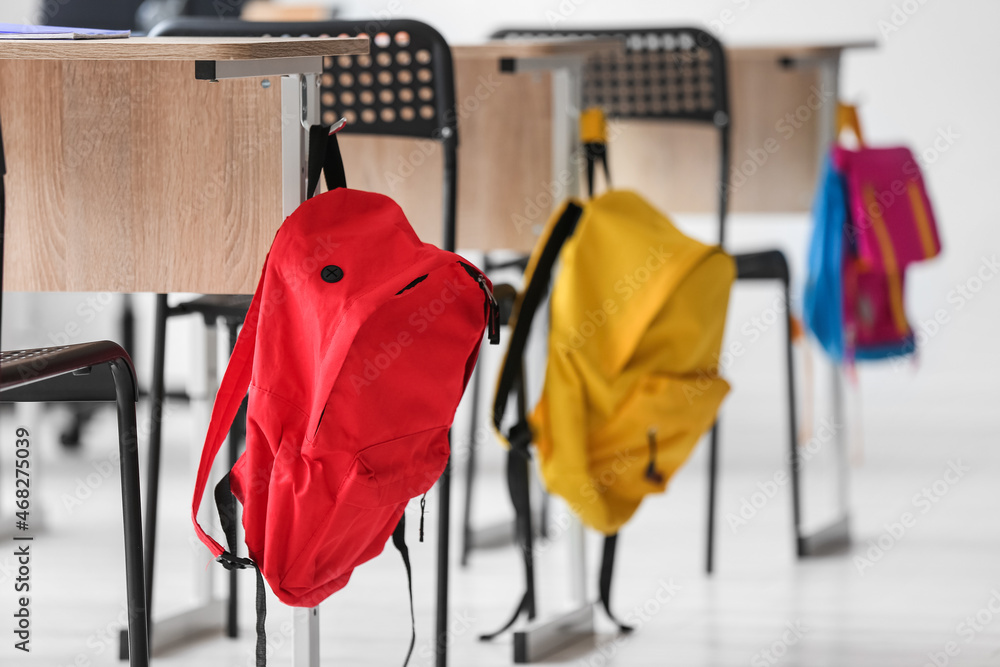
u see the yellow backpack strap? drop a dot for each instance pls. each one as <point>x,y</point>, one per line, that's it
<point>594,137</point>
<point>847,119</point>
<point>537,277</point>
<point>604,583</point>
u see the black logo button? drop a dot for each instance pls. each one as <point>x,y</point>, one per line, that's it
<point>332,274</point>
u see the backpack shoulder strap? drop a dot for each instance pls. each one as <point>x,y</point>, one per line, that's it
<point>594,137</point>
<point>232,389</point>
<point>607,570</point>
<point>537,276</point>
<point>325,158</point>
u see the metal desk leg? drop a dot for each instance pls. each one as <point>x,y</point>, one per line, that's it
<point>836,535</point>
<point>299,110</point>
<point>555,632</point>
<point>305,637</point>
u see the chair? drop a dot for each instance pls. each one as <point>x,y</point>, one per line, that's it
<point>403,88</point>
<point>99,371</point>
<point>679,74</point>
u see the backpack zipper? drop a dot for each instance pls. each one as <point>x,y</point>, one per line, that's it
<point>413,284</point>
<point>652,474</point>
<point>491,310</point>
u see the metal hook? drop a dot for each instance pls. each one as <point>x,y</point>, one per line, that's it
<point>338,126</point>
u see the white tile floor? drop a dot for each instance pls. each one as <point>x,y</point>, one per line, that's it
<point>931,591</point>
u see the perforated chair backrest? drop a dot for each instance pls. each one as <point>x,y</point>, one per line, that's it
<point>674,73</point>
<point>404,87</point>
<point>663,73</point>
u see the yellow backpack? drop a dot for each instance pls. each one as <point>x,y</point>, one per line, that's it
<point>637,313</point>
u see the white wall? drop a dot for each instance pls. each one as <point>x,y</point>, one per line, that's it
<point>18,11</point>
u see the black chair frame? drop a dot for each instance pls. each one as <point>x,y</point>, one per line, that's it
<point>100,371</point>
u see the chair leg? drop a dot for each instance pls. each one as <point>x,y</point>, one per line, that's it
<point>127,323</point>
<point>444,485</point>
<point>155,422</point>
<point>138,618</point>
<point>793,455</point>
<point>236,433</point>
<point>444,518</point>
<point>543,514</point>
<point>470,470</point>
<point>713,448</point>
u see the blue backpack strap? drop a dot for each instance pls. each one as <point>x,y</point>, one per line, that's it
<point>823,302</point>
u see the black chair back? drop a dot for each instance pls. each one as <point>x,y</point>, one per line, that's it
<point>676,73</point>
<point>404,87</point>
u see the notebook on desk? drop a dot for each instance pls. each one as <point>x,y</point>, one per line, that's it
<point>19,31</point>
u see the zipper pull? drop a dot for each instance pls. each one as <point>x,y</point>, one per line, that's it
<point>423,501</point>
<point>493,318</point>
<point>652,474</point>
<point>491,309</point>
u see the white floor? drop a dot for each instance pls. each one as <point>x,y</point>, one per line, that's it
<point>907,606</point>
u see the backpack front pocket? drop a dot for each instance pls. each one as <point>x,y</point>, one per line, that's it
<point>678,409</point>
<point>394,471</point>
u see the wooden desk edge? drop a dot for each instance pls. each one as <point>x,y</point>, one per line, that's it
<point>182,48</point>
<point>765,50</point>
<point>537,48</point>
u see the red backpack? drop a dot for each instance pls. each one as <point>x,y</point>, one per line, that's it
<point>356,350</point>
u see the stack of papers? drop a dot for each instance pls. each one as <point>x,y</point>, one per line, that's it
<point>19,31</point>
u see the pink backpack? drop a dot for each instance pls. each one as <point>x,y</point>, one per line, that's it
<point>890,225</point>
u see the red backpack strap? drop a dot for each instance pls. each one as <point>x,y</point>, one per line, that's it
<point>233,388</point>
